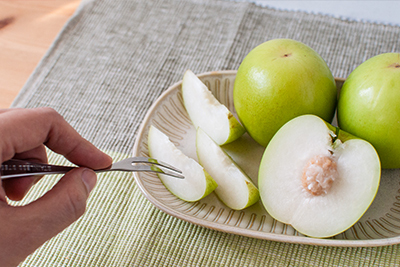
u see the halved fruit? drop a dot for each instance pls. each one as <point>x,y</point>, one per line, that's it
<point>318,178</point>
<point>197,183</point>
<point>207,112</point>
<point>235,189</point>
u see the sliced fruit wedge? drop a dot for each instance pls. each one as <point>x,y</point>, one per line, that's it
<point>318,178</point>
<point>197,183</point>
<point>235,189</point>
<point>207,112</point>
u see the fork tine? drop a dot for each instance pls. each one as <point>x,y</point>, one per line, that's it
<point>152,165</point>
<point>153,168</point>
<point>154,162</point>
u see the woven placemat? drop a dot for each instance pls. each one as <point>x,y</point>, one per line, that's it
<point>105,69</point>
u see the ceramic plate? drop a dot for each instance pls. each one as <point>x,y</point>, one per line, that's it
<point>379,226</point>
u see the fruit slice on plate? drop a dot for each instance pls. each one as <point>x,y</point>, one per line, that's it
<point>235,189</point>
<point>207,112</point>
<point>318,178</point>
<point>197,183</point>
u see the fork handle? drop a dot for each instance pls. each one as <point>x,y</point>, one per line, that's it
<point>15,168</point>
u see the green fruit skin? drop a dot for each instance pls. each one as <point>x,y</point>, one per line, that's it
<point>254,194</point>
<point>339,134</point>
<point>211,184</point>
<point>369,106</point>
<point>236,130</point>
<point>278,81</point>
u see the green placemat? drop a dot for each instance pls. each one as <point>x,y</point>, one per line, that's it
<point>108,65</point>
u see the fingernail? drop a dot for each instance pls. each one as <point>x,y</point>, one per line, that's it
<point>89,178</point>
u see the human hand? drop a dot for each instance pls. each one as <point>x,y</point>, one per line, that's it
<point>24,135</point>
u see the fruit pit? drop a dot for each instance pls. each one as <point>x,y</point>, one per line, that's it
<point>319,174</point>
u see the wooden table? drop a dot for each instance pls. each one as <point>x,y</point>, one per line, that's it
<point>27,29</point>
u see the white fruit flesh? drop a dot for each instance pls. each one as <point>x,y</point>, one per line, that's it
<point>207,112</point>
<point>197,183</point>
<point>339,189</point>
<point>235,188</point>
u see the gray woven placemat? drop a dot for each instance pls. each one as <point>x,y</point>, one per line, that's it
<point>109,64</point>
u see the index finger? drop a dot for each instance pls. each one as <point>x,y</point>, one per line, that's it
<point>25,129</point>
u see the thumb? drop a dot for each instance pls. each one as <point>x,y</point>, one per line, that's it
<point>65,202</point>
<point>32,225</point>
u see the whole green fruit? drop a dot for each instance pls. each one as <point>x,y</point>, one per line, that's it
<point>369,106</point>
<point>278,81</point>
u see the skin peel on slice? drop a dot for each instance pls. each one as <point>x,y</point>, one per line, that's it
<point>235,189</point>
<point>318,178</point>
<point>197,183</point>
<point>207,112</point>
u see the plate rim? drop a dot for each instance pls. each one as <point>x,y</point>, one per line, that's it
<point>304,240</point>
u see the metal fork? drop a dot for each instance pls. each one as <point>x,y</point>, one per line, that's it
<point>15,168</point>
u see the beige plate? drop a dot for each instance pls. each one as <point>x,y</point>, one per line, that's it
<point>379,226</point>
